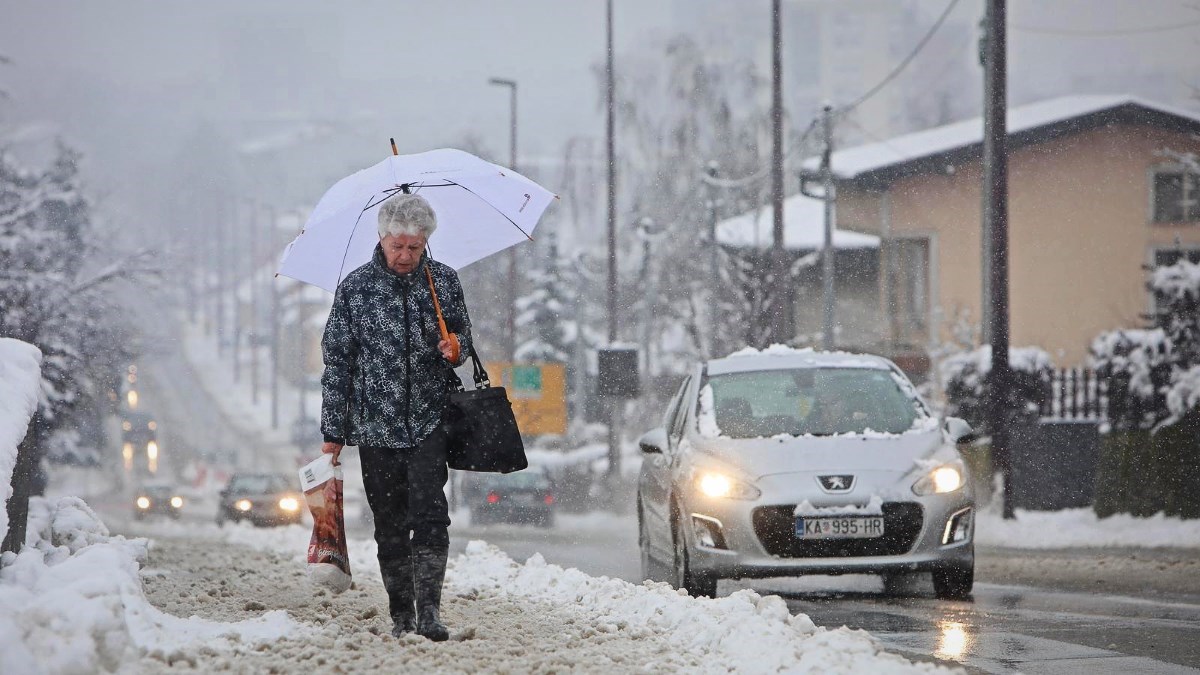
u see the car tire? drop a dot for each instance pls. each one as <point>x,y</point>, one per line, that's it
<point>697,586</point>
<point>954,582</point>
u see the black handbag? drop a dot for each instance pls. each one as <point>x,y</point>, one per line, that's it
<point>481,430</point>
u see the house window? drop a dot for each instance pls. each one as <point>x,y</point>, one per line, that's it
<point>911,288</point>
<point>1176,196</point>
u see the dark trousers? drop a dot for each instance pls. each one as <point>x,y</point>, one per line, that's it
<point>405,491</point>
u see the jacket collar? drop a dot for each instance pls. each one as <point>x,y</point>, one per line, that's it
<point>381,266</point>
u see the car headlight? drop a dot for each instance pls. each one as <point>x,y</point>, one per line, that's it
<point>177,502</point>
<point>143,502</point>
<point>243,505</point>
<point>943,479</point>
<point>720,486</point>
<point>289,504</point>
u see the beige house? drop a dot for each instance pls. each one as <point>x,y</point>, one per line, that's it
<point>1096,194</point>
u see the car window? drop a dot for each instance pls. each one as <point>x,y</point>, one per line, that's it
<point>258,484</point>
<point>673,407</point>
<point>519,479</point>
<point>676,428</point>
<point>818,401</point>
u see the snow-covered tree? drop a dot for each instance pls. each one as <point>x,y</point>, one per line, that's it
<point>545,318</point>
<point>54,283</point>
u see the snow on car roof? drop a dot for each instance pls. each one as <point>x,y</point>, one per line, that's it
<point>780,356</point>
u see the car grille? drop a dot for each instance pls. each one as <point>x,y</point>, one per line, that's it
<point>776,529</point>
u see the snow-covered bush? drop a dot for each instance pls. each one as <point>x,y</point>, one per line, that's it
<point>1136,364</point>
<point>1148,370</point>
<point>965,378</point>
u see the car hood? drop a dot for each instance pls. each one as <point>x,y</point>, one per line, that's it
<point>759,457</point>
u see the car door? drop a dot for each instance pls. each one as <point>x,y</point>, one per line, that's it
<point>656,481</point>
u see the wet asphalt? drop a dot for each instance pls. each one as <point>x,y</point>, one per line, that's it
<point>1003,629</point>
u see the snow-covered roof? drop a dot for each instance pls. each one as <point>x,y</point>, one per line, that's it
<point>863,159</point>
<point>803,228</point>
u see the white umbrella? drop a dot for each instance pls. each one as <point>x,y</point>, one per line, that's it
<point>482,208</point>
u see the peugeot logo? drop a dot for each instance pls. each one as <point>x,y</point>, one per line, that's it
<point>836,483</point>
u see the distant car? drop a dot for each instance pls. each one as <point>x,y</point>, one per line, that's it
<point>795,462</point>
<point>520,497</point>
<point>263,499</point>
<point>157,500</point>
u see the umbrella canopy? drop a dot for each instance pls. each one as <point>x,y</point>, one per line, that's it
<point>482,208</point>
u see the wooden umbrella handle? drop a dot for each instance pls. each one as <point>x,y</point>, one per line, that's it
<point>455,347</point>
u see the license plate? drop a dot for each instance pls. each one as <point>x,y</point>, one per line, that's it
<point>839,528</point>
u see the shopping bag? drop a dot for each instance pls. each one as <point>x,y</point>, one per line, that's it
<point>328,559</point>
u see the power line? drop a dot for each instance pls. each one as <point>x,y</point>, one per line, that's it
<point>904,63</point>
<point>761,173</point>
<point>1070,32</point>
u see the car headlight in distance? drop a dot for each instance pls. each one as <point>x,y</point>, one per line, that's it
<point>243,505</point>
<point>941,480</point>
<point>143,502</point>
<point>177,502</point>
<point>719,486</point>
<point>289,504</point>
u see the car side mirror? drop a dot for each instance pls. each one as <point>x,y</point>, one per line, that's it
<point>653,442</point>
<point>960,431</point>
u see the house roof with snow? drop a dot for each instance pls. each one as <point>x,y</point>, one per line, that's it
<point>803,228</point>
<point>934,149</point>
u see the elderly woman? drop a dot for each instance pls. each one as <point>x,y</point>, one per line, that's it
<point>384,389</point>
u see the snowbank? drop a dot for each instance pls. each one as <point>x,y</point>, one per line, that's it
<point>743,632</point>
<point>1081,528</point>
<point>21,373</point>
<point>72,600</point>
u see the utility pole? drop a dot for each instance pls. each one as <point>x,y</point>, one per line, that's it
<point>511,321</point>
<point>275,331</point>
<point>995,188</point>
<point>235,264</point>
<point>614,411</point>
<point>714,272</point>
<point>252,334</point>
<point>828,253</point>
<point>777,262</point>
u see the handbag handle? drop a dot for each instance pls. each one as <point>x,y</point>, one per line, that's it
<point>480,374</point>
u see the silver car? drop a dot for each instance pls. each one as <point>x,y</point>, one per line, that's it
<point>789,462</point>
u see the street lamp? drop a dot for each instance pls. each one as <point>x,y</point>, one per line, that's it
<point>512,253</point>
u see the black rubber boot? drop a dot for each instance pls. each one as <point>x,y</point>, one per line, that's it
<point>429,566</point>
<point>398,581</point>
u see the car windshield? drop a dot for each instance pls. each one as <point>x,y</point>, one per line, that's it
<point>518,479</point>
<point>817,401</point>
<point>258,484</point>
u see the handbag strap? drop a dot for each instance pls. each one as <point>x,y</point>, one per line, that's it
<point>479,373</point>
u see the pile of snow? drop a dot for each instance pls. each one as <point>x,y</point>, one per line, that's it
<point>72,600</point>
<point>743,632</point>
<point>21,373</point>
<point>1082,528</point>
<point>973,366</point>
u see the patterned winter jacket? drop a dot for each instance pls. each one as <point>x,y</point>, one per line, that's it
<point>385,380</point>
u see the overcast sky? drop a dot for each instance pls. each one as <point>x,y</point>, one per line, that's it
<point>126,79</point>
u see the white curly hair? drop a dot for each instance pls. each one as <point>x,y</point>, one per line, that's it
<point>407,214</point>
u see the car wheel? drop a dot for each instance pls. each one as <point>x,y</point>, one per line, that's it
<point>954,583</point>
<point>696,585</point>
